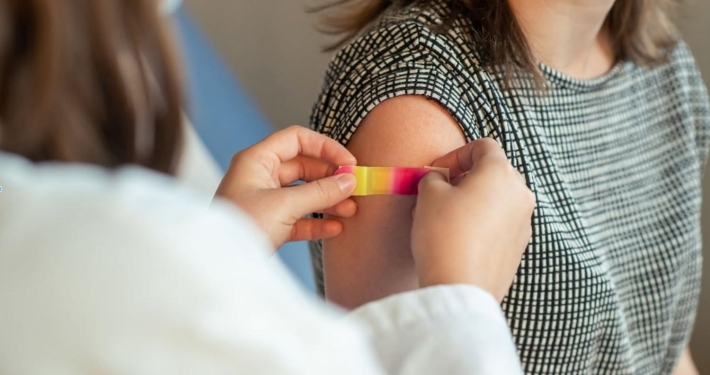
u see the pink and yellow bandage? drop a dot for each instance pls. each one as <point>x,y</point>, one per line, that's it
<point>387,180</point>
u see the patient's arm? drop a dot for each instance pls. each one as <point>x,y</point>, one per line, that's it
<point>372,258</point>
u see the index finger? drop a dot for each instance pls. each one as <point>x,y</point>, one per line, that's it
<point>297,140</point>
<point>465,158</point>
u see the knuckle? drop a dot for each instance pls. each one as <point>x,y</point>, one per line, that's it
<point>488,142</point>
<point>295,129</point>
<point>289,132</point>
<point>321,189</point>
<point>307,232</point>
<point>295,232</point>
<point>299,232</point>
<point>491,147</point>
<point>238,157</point>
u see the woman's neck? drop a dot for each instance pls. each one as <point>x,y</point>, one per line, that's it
<point>568,35</point>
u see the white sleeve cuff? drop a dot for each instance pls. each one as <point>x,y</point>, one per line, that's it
<point>403,309</point>
<point>445,329</point>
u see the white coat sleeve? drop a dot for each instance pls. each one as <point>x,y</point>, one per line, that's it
<point>127,274</point>
<point>441,330</point>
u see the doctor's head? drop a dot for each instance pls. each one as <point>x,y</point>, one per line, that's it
<point>91,81</point>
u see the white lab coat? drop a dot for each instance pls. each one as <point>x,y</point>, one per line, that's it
<point>125,273</point>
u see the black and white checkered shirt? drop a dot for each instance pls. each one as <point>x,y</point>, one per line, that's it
<point>610,281</point>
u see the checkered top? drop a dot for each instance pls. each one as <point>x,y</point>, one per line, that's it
<point>611,278</point>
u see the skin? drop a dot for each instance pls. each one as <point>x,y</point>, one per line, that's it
<point>258,181</point>
<point>567,35</point>
<point>406,131</point>
<point>456,230</point>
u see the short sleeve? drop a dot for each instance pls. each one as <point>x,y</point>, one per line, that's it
<point>700,114</point>
<point>402,58</point>
<point>694,100</point>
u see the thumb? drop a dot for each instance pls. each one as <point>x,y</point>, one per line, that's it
<point>432,180</point>
<point>319,195</point>
<point>431,188</point>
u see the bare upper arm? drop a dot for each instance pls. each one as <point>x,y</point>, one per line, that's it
<point>372,258</point>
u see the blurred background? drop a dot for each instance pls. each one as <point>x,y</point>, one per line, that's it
<point>273,49</point>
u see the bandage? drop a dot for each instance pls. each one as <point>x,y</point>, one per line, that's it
<point>388,180</point>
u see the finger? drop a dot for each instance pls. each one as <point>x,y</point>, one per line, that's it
<point>297,140</point>
<point>432,181</point>
<point>457,180</point>
<point>431,186</point>
<point>463,159</point>
<point>304,168</point>
<point>344,209</point>
<point>431,189</point>
<point>318,195</point>
<point>315,229</point>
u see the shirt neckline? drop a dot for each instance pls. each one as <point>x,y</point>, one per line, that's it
<point>559,79</point>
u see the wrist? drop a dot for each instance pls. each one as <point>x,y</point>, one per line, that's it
<point>447,273</point>
<point>448,270</point>
<point>446,278</point>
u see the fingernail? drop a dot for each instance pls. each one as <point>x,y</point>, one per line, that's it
<point>346,182</point>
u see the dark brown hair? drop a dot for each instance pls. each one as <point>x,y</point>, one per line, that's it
<point>642,30</point>
<point>91,81</point>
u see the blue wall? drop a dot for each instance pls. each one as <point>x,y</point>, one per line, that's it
<point>227,120</point>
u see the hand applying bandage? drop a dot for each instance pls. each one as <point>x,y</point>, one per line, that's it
<point>475,232</point>
<point>259,180</point>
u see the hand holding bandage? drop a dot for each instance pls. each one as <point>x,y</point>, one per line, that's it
<point>260,180</point>
<point>474,232</point>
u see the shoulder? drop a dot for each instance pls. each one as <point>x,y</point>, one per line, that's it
<point>682,84</point>
<point>681,58</point>
<point>403,54</point>
<point>411,35</point>
<point>679,75</point>
<point>407,131</point>
<point>683,69</point>
<point>397,29</point>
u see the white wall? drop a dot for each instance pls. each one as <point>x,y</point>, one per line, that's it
<point>273,48</point>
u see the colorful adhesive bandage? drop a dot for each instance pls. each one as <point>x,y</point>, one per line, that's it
<point>388,181</point>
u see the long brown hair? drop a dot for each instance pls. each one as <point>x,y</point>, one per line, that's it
<point>642,30</point>
<point>90,81</point>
